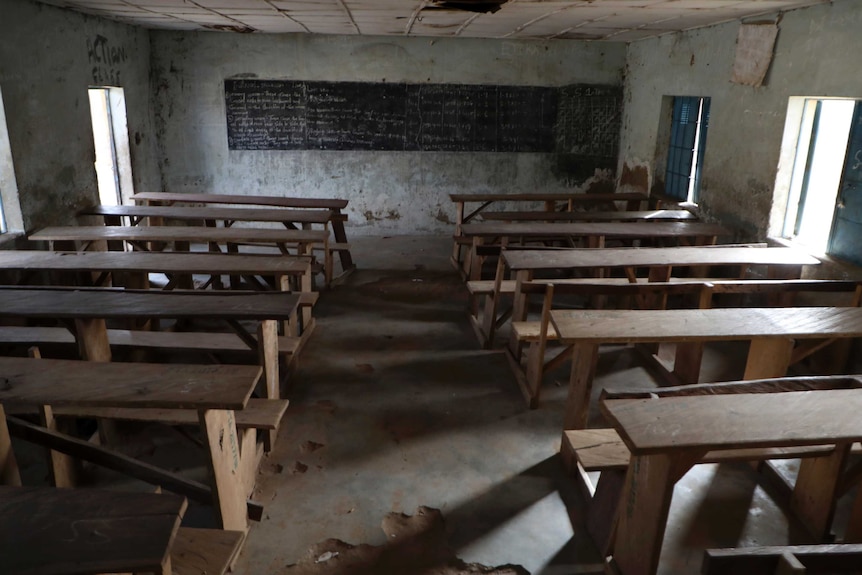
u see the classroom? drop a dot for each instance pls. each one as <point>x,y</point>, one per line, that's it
<point>440,287</point>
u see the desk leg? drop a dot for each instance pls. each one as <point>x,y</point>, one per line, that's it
<point>220,437</point>
<point>456,247</point>
<point>341,238</point>
<point>9,474</point>
<point>520,308</point>
<point>92,336</point>
<point>768,358</point>
<point>643,510</point>
<point>817,490</point>
<point>577,411</point>
<point>472,268</point>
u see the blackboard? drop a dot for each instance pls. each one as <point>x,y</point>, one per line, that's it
<point>300,115</point>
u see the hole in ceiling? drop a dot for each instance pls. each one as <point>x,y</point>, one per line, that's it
<point>230,28</point>
<point>481,6</point>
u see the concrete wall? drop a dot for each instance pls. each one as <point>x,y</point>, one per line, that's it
<point>814,56</point>
<point>389,192</point>
<point>48,59</point>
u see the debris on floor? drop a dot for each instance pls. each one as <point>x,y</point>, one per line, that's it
<point>416,545</point>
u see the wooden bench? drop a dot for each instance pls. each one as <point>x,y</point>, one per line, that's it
<point>784,560</point>
<point>661,264</point>
<point>333,205</point>
<point>530,369</point>
<point>771,333</point>
<point>87,531</point>
<point>550,201</point>
<point>594,234</point>
<point>666,436</point>
<point>212,393</point>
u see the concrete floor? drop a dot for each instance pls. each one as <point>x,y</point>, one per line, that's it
<point>395,407</point>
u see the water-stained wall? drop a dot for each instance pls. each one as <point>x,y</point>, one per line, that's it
<point>48,59</point>
<point>389,192</point>
<point>814,56</point>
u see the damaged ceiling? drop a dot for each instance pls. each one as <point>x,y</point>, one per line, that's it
<point>608,20</point>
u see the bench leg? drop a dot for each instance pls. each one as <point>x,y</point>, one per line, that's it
<point>853,534</point>
<point>816,490</point>
<point>9,474</point>
<point>643,510</point>
<point>584,359</point>
<point>220,438</point>
<point>267,338</point>
<point>62,467</point>
<point>602,511</point>
<point>768,358</point>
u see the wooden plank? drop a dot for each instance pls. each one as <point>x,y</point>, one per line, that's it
<point>275,201</point>
<point>816,490</point>
<point>204,551</point>
<point>88,384</point>
<point>575,197</point>
<point>222,442</point>
<point>636,326</point>
<point>119,462</point>
<point>259,413</point>
<point>647,257</point>
<point>732,561</point>
<point>624,230</point>
<point>72,303</point>
<point>49,531</point>
<point>311,216</point>
<point>611,216</point>
<point>163,262</point>
<point>191,234</point>
<point>745,421</point>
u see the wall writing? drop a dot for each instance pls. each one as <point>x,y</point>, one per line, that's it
<point>105,59</point>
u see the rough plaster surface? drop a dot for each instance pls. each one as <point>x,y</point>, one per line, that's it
<point>48,59</point>
<point>389,192</point>
<point>813,57</point>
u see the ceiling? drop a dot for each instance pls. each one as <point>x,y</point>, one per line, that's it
<point>608,20</point>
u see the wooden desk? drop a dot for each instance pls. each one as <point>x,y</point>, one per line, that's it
<point>288,217</point>
<point>130,269</point>
<point>696,233</point>
<point>667,436</point>
<point>634,201</point>
<point>612,216</point>
<point>88,308</point>
<point>781,263</point>
<point>770,331</point>
<point>334,205</point>
<point>49,530</point>
<point>213,391</point>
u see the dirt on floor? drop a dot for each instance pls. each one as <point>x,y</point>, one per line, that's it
<point>416,546</point>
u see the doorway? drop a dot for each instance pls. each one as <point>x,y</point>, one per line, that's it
<point>111,138</point>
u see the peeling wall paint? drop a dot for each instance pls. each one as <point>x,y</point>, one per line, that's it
<point>813,57</point>
<point>389,192</point>
<point>49,58</point>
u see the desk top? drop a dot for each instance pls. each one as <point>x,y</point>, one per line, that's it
<point>191,234</point>
<point>50,530</point>
<point>645,257</point>
<point>276,201</point>
<point>72,303</point>
<point>311,216</point>
<point>166,262</point>
<point>606,229</point>
<point>614,216</point>
<point>28,381</point>
<point>577,197</point>
<point>719,324</point>
<point>738,421</point>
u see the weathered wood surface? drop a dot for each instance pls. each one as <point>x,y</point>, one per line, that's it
<point>275,201</point>
<point>143,262</point>
<point>717,422</point>
<point>649,257</point>
<point>612,216</point>
<point>310,216</point>
<point>841,558</point>
<point>576,197</point>
<point>48,531</point>
<point>624,230</point>
<point>642,326</point>
<point>58,382</point>
<point>204,551</point>
<point>258,413</point>
<point>190,234</point>
<point>71,303</point>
